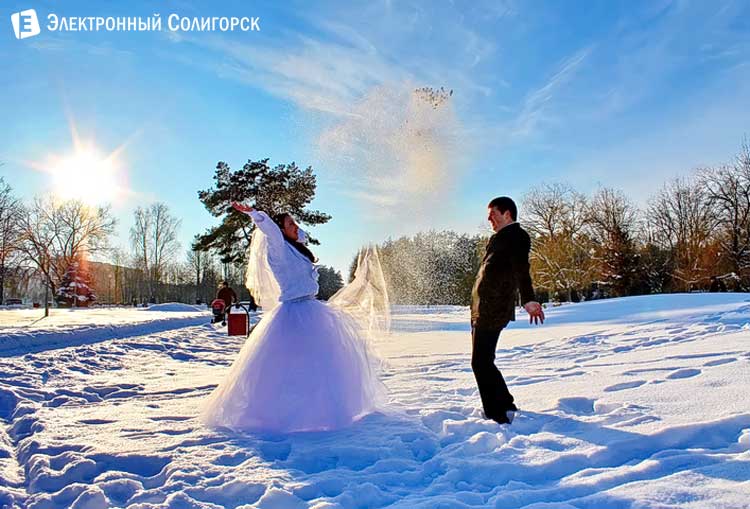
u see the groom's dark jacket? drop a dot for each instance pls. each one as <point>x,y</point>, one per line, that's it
<point>503,273</point>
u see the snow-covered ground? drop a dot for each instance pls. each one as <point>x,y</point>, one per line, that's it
<point>638,402</point>
<point>27,329</point>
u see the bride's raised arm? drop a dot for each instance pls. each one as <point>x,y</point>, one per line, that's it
<point>267,241</point>
<point>263,222</point>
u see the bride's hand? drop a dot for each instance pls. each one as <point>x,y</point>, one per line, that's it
<point>242,207</point>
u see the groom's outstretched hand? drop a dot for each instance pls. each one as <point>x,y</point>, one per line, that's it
<point>242,207</point>
<point>535,311</point>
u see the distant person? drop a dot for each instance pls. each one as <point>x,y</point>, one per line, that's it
<point>226,294</point>
<point>717,285</point>
<point>503,273</point>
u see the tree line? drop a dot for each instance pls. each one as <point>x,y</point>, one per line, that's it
<point>691,234</point>
<point>60,251</point>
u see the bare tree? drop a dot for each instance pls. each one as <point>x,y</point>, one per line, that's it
<point>682,218</point>
<point>10,233</point>
<point>195,264</point>
<point>550,210</point>
<point>139,237</point>
<point>203,277</point>
<point>164,240</point>
<point>119,280</point>
<point>56,234</point>
<point>728,188</point>
<point>563,265</point>
<point>561,256</point>
<point>155,245</point>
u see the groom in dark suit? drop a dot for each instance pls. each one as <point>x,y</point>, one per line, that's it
<point>503,273</point>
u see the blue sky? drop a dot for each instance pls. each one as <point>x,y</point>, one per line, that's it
<point>623,94</point>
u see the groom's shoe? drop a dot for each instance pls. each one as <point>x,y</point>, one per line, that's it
<point>505,416</point>
<point>502,418</point>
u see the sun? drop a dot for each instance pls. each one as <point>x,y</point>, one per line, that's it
<point>86,173</point>
<point>87,176</point>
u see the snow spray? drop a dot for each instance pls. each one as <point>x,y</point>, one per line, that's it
<point>398,150</point>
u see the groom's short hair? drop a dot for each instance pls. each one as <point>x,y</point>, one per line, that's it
<point>504,204</point>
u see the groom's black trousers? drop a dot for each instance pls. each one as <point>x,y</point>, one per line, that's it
<point>496,398</point>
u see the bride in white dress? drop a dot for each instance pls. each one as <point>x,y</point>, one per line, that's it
<point>306,366</point>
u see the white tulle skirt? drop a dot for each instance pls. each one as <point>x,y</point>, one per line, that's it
<point>305,367</point>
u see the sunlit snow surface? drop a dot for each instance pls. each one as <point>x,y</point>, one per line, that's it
<point>638,402</point>
<point>27,329</point>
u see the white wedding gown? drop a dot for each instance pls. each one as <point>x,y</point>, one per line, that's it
<point>306,366</point>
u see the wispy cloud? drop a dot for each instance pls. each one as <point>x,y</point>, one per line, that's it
<point>337,66</point>
<point>315,75</point>
<point>536,107</point>
<point>686,41</point>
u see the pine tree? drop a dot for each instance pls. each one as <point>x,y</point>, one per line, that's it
<point>353,267</point>
<point>654,269</point>
<point>619,264</point>
<point>329,281</point>
<point>283,188</point>
<point>612,220</point>
<point>75,287</point>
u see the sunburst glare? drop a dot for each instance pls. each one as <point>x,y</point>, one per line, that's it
<point>87,176</point>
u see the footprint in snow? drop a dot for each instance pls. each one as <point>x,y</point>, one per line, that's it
<point>624,385</point>
<point>684,373</point>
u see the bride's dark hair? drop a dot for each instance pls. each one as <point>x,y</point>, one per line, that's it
<point>299,246</point>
